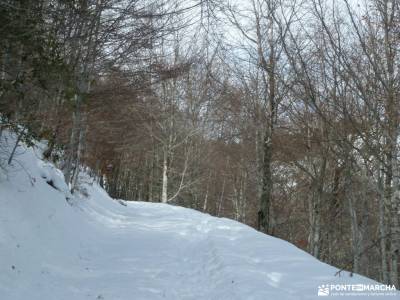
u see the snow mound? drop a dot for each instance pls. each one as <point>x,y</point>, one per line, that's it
<point>54,177</point>
<point>97,248</point>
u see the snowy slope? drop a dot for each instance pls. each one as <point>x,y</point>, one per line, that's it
<point>97,248</point>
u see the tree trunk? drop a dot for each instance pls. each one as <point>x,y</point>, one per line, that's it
<point>395,228</point>
<point>221,199</point>
<point>207,190</point>
<point>315,210</point>
<point>314,239</point>
<point>266,192</point>
<point>19,137</point>
<point>73,141</point>
<point>164,192</point>
<point>355,232</point>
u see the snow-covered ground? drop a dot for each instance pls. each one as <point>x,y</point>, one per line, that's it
<point>93,247</point>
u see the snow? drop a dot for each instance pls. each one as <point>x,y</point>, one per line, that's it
<point>92,247</point>
<point>54,177</point>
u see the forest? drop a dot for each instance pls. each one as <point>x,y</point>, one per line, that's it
<point>281,114</point>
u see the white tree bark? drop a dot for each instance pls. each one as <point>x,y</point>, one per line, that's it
<point>164,191</point>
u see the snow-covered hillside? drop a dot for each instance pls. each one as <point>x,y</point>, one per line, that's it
<point>93,247</point>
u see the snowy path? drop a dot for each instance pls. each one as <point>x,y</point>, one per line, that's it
<point>175,251</point>
<point>100,249</point>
